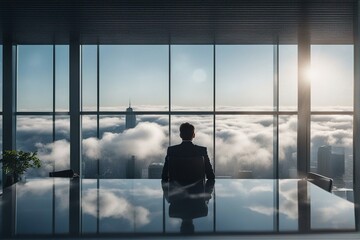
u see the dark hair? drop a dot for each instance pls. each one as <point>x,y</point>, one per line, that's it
<point>187,131</point>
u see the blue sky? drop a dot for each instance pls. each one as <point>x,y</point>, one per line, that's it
<point>243,74</point>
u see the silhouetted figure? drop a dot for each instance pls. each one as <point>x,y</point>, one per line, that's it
<point>188,201</point>
<point>187,163</point>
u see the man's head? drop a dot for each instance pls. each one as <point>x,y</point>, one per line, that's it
<point>187,131</point>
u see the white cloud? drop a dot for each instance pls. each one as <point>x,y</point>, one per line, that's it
<point>242,142</point>
<point>144,141</point>
<point>57,153</point>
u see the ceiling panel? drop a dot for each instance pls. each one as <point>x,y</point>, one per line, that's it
<point>177,22</point>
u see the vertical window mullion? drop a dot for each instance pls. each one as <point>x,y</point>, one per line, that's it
<point>214,106</point>
<point>98,134</point>
<point>169,94</point>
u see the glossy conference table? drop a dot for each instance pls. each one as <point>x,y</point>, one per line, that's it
<point>123,207</point>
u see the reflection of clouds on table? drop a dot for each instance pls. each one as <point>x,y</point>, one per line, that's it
<point>288,198</point>
<point>113,206</point>
<point>330,211</point>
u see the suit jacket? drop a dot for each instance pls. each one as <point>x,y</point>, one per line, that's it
<point>187,149</point>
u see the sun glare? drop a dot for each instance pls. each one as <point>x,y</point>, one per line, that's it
<point>311,74</point>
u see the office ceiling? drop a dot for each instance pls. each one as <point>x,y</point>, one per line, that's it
<point>176,22</point>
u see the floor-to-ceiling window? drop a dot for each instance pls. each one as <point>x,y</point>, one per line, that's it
<point>242,100</point>
<point>1,110</point>
<point>332,81</point>
<point>42,125</point>
<point>42,116</point>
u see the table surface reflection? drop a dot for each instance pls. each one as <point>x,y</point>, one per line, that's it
<point>142,206</point>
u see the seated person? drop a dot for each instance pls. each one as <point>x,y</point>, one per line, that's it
<point>189,154</point>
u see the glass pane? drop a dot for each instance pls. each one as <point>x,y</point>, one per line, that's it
<point>245,205</point>
<point>288,146</point>
<point>1,77</point>
<point>129,152</point>
<point>61,204</point>
<point>61,146</point>
<point>89,77</point>
<point>134,73</point>
<point>332,151</point>
<point>288,76</point>
<point>328,211</point>
<point>33,207</point>
<point>332,77</point>
<point>136,208</point>
<point>192,77</point>
<point>204,125</point>
<point>62,78</point>
<point>35,78</point>
<point>244,77</point>
<point>89,205</point>
<point>244,146</point>
<point>194,212</point>
<point>1,145</point>
<point>288,205</point>
<point>34,133</point>
<point>89,153</point>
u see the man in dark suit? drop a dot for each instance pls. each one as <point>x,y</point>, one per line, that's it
<point>186,150</point>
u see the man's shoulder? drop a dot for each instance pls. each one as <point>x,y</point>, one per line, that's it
<point>170,148</point>
<point>201,148</point>
<point>182,147</point>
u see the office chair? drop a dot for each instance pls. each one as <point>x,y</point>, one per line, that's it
<point>320,181</point>
<point>186,170</point>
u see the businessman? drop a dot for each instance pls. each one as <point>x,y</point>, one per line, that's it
<point>188,153</point>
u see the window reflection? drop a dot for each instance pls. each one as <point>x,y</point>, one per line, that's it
<point>254,201</point>
<point>40,194</point>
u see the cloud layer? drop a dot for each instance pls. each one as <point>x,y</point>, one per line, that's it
<point>243,143</point>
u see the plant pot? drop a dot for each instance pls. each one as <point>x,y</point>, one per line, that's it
<point>9,180</point>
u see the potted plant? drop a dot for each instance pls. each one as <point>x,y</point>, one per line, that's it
<point>15,163</point>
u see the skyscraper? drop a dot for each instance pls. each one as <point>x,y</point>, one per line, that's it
<point>331,163</point>
<point>130,120</point>
<point>155,170</point>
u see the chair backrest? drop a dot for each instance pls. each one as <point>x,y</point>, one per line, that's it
<point>65,173</point>
<point>320,181</point>
<point>186,169</point>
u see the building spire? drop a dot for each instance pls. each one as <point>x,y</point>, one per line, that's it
<point>129,102</point>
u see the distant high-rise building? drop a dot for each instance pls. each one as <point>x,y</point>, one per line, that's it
<point>331,164</point>
<point>130,168</point>
<point>155,170</point>
<point>130,120</point>
<point>323,158</point>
